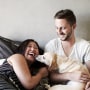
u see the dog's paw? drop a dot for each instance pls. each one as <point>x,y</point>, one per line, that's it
<point>47,86</point>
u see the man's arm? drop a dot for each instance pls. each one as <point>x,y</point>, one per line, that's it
<point>58,77</point>
<point>88,83</point>
<point>88,65</point>
<point>74,76</point>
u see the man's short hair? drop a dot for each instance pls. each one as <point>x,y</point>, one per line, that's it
<point>66,14</point>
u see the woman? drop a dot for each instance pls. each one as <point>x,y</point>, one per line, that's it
<point>15,73</point>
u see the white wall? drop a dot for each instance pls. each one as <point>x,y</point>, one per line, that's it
<point>22,19</point>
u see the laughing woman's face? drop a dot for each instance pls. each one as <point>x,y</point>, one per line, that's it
<point>31,52</point>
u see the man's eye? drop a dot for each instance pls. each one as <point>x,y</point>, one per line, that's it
<point>62,28</point>
<point>43,57</point>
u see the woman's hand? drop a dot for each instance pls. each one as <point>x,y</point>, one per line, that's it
<point>43,71</point>
<point>79,76</point>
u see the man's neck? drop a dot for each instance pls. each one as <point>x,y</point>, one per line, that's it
<point>68,46</point>
<point>69,42</point>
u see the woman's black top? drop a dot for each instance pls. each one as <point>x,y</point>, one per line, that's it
<point>6,70</point>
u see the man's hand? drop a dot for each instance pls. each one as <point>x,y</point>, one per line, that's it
<point>87,86</point>
<point>79,76</point>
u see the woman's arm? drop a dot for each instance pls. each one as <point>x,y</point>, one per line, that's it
<point>22,71</point>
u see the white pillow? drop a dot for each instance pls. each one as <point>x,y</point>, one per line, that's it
<point>1,61</point>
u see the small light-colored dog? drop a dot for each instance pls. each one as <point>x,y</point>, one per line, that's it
<point>63,64</point>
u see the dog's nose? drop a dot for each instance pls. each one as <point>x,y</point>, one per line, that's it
<point>37,58</point>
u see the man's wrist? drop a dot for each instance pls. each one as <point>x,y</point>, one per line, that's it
<point>68,76</point>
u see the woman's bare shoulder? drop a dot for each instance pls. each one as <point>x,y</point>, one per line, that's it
<point>15,57</point>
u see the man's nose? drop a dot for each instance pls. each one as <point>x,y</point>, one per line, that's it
<point>60,30</point>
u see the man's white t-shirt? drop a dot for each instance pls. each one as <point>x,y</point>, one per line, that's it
<point>80,51</point>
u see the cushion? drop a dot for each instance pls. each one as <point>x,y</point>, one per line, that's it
<point>2,61</point>
<point>7,47</point>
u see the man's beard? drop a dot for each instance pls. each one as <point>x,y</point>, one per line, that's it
<point>66,37</point>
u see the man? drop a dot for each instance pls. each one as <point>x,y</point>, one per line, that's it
<point>68,45</point>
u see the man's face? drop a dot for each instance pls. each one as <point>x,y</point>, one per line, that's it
<point>64,29</point>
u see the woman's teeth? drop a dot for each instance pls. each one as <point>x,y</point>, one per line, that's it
<point>32,54</point>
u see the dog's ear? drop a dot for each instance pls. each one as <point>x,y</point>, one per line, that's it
<point>54,63</point>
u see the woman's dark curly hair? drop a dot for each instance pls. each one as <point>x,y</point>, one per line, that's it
<point>22,47</point>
